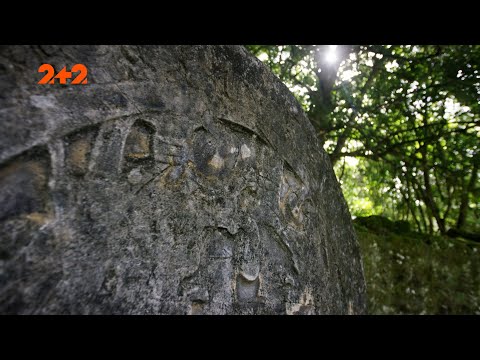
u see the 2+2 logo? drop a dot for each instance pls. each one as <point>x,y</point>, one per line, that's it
<point>63,75</point>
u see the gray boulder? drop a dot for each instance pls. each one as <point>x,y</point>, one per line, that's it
<point>179,180</point>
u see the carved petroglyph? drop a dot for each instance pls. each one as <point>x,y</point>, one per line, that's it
<point>245,151</point>
<point>216,162</point>
<point>292,196</point>
<point>139,143</point>
<point>24,185</point>
<point>204,150</point>
<point>26,239</point>
<point>247,287</point>
<point>78,150</point>
<point>196,308</point>
<point>135,176</point>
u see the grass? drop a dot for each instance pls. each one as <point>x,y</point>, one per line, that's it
<point>413,273</point>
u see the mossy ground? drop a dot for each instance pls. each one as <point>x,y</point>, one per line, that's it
<point>412,273</point>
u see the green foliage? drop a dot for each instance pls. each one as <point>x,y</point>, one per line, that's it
<point>412,273</point>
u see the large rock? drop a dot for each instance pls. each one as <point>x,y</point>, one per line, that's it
<point>179,180</point>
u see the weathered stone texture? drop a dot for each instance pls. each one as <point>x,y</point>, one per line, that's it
<point>180,180</point>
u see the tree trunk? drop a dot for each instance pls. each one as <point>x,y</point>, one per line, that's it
<point>462,213</point>
<point>417,190</point>
<point>430,202</point>
<point>178,180</point>
<point>407,195</point>
<point>428,195</point>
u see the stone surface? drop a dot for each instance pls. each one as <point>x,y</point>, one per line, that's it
<point>180,180</point>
